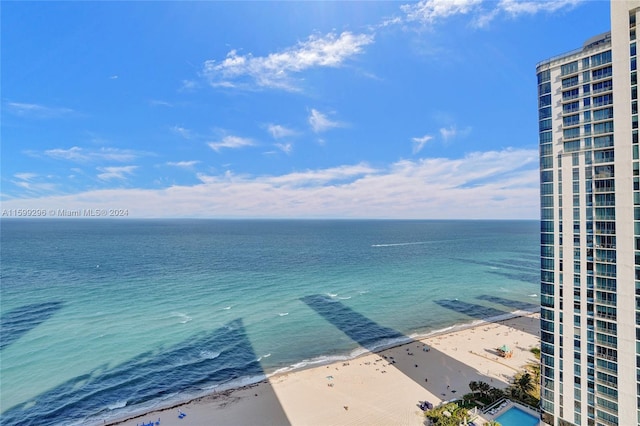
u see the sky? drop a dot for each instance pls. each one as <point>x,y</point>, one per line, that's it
<point>381,110</point>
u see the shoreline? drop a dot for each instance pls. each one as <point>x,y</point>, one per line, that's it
<point>246,404</point>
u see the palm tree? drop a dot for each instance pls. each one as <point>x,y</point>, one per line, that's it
<point>473,386</point>
<point>484,388</point>
<point>524,384</point>
<point>492,423</point>
<point>495,394</point>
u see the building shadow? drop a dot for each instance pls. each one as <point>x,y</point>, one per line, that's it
<point>514,269</point>
<point>471,309</point>
<point>19,321</point>
<point>214,358</point>
<point>514,304</point>
<point>414,359</point>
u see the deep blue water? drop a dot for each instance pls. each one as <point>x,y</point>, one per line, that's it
<point>102,318</point>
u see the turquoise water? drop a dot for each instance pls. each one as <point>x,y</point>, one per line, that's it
<point>105,318</point>
<point>514,416</point>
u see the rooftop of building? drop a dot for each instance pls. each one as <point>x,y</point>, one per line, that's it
<point>590,44</point>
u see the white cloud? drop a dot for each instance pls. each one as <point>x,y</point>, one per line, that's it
<point>448,133</point>
<point>275,69</point>
<point>183,164</point>
<point>482,12</point>
<point>278,132</point>
<point>26,176</point>
<point>428,11</point>
<point>482,185</point>
<point>319,122</point>
<point>115,172</point>
<point>85,155</point>
<point>522,7</point>
<point>185,133</point>
<point>285,147</point>
<point>36,110</point>
<point>232,142</point>
<point>419,143</point>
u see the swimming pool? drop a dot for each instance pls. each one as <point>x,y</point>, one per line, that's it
<point>515,416</point>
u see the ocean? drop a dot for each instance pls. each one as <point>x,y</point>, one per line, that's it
<point>101,319</point>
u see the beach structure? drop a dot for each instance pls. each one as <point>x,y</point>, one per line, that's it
<point>505,351</point>
<point>590,228</point>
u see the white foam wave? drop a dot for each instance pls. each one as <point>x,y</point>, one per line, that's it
<point>533,295</point>
<point>226,308</point>
<point>263,356</point>
<point>117,404</point>
<point>363,292</point>
<point>184,318</point>
<point>344,298</point>
<point>332,294</point>
<point>283,314</point>
<point>209,354</point>
<point>400,244</point>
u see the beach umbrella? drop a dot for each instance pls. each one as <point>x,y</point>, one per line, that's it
<point>504,348</point>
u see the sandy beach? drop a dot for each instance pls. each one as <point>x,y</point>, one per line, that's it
<point>374,389</point>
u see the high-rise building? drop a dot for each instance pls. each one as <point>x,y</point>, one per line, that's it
<point>590,229</point>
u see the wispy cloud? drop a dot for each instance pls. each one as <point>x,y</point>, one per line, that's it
<point>481,12</point>
<point>285,147</point>
<point>482,185</point>
<point>278,132</point>
<point>451,132</point>
<point>183,164</point>
<point>419,143</point>
<point>37,110</point>
<point>116,172</point>
<point>276,69</point>
<point>428,11</point>
<point>319,122</point>
<point>184,132</point>
<point>86,155</point>
<point>231,142</point>
<point>33,183</point>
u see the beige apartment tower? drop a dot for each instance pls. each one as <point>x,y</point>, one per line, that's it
<point>590,229</point>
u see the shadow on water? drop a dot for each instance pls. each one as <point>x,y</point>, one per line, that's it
<point>514,304</point>
<point>368,333</point>
<point>514,269</point>
<point>17,322</point>
<point>217,357</point>
<point>359,328</point>
<point>471,309</point>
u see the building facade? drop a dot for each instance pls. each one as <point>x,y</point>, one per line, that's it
<point>590,229</point>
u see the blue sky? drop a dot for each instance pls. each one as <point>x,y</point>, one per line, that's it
<point>280,109</point>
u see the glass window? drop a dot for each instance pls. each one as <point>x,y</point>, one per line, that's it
<point>569,68</point>
<point>602,72</point>
<point>570,107</point>
<point>544,113</point>
<point>571,120</point>
<point>632,49</point>
<point>570,94</point>
<point>568,82</point>
<point>602,100</point>
<point>601,58</point>
<point>603,114</point>
<point>602,86</point>
<point>544,101</point>
<point>544,76</point>
<point>544,88</point>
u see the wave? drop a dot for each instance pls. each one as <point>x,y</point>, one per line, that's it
<point>332,294</point>
<point>363,292</point>
<point>283,314</point>
<point>533,295</point>
<point>400,244</point>
<point>344,298</point>
<point>226,308</point>
<point>263,356</point>
<point>184,317</point>
<point>117,404</point>
<point>209,354</point>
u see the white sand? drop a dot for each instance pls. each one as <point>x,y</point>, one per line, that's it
<point>372,389</point>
